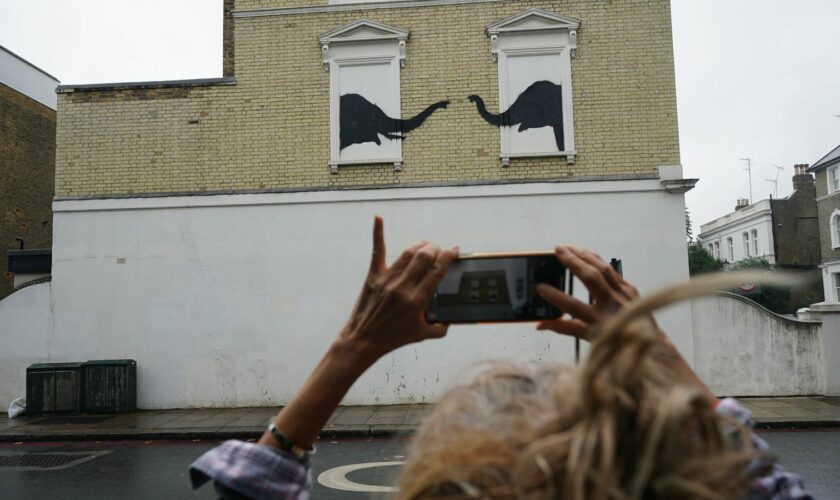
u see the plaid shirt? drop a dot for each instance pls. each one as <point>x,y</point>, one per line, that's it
<point>247,470</point>
<point>778,484</point>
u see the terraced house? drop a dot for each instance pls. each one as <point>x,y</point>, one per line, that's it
<point>217,230</point>
<point>827,172</point>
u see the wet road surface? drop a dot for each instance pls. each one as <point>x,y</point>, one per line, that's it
<point>158,469</point>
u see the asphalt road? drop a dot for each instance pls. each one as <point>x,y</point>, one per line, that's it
<point>158,469</point>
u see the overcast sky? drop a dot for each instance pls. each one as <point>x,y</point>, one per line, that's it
<point>756,79</point>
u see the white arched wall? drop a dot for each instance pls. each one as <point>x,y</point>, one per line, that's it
<point>26,329</point>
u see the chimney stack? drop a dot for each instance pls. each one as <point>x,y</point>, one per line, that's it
<point>802,180</point>
<point>742,203</point>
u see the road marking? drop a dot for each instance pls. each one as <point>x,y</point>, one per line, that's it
<point>336,478</point>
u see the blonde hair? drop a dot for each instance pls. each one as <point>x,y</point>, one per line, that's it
<point>620,426</point>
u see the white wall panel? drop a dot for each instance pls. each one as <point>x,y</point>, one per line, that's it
<point>231,300</point>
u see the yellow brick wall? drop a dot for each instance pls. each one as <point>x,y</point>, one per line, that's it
<point>271,129</point>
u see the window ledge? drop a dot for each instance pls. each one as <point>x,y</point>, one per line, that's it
<point>396,162</point>
<point>569,155</point>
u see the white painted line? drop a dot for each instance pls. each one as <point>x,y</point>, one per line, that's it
<point>336,478</point>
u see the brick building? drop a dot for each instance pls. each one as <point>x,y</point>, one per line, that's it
<point>217,230</point>
<point>27,159</point>
<point>827,172</point>
<point>797,241</point>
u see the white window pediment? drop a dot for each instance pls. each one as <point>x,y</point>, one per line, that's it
<point>535,20</point>
<point>361,31</point>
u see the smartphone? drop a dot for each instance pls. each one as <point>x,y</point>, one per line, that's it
<point>500,287</point>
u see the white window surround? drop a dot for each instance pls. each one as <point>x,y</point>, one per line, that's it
<point>836,284</point>
<point>833,178</point>
<point>531,33</point>
<point>754,236</point>
<point>731,247</point>
<point>746,236</point>
<point>834,228</point>
<point>363,43</point>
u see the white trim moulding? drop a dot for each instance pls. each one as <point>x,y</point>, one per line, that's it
<point>650,184</point>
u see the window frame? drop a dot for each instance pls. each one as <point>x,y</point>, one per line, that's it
<point>746,236</point>
<point>731,245</point>
<point>754,236</point>
<point>535,32</point>
<point>358,43</point>
<point>834,229</point>
<point>836,286</point>
<point>717,250</point>
<point>833,179</point>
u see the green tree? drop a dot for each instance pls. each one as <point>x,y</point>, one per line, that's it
<point>701,261</point>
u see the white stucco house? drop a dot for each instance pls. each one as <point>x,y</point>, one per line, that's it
<point>746,232</point>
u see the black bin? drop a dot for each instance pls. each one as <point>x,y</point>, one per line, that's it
<point>109,386</point>
<point>53,388</point>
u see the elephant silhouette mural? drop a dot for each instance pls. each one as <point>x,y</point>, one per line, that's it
<point>363,121</point>
<point>540,105</point>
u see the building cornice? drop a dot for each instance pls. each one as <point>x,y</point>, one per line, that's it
<point>729,224</point>
<point>94,87</point>
<point>351,7</point>
<point>579,185</point>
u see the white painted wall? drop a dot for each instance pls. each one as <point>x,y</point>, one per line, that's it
<point>741,349</point>
<point>756,217</point>
<point>25,332</point>
<point>231,300</point>
<point>27,79</point>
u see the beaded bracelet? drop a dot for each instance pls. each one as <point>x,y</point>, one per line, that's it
<point>287,445</point>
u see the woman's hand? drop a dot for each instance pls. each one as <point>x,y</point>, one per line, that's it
<point>388,314</point>
<point>389,311</point>
<point>608,291</point>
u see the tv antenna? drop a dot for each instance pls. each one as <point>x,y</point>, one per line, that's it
<point>748,168</point>
<point>776,181</point>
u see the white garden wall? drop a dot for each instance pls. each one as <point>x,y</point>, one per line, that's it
<point>742,349</point>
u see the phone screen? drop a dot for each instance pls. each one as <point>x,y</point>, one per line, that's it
<point>495,288</point>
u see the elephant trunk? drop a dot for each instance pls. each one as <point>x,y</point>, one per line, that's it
<point>406,126</point>
<point>489,117</point>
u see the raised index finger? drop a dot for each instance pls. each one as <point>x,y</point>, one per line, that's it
<point>377,258</point>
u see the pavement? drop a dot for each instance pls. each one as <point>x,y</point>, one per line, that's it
<point>347,421</point>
